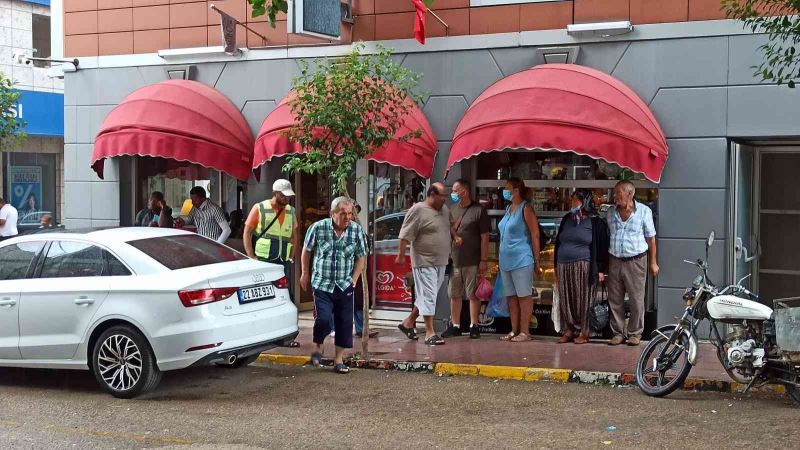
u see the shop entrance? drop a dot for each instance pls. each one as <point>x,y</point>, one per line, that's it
<point>767,219</point>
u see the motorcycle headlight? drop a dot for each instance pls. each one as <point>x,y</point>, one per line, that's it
<point>698,281</point>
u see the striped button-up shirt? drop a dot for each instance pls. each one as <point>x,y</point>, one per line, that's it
<point>207,218</point>
<point>334,256</point>
<point>628,237</point>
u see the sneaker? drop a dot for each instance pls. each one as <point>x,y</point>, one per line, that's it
<point>474,332</point>
<point>616,340</point>
<point>452,331</point>
<point>633,341</point>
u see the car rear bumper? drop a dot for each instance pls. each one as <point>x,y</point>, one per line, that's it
<point>222,356</point>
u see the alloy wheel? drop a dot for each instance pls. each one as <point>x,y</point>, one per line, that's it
<point>120,362</point>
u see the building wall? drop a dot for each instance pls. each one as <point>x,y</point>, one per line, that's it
<point>700,89</point>
<point>113,27</point>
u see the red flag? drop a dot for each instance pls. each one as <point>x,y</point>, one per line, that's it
<point>419,21</point>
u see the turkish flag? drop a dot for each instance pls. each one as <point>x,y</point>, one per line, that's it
<point>419,21</point>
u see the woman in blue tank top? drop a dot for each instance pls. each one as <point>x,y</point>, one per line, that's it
<point>519,242</point>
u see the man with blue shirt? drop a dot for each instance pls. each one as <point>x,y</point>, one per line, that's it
<point>633,243</point>
<point>339,251</point>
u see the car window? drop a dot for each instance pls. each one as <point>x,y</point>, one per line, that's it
<point>17,258</point>
<point>185,251</point>
<point>67,259</point>
<point>388,229</point>
<point>115,267</point>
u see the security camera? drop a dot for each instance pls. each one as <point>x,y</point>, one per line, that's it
<point>21,58</point>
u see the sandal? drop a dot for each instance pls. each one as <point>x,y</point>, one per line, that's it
<point>508,337</point>
<point>341,368</point>
<point>316,359</point>
<point>292,344</point>
<point>410,333</point>
<point>434,340</point>
<point>522,337</point>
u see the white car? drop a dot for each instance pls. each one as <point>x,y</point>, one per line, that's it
<point>130,303</point>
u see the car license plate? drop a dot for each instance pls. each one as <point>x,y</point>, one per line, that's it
<point>256,293</point>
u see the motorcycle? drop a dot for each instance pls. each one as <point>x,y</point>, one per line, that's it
<point>758,345</point>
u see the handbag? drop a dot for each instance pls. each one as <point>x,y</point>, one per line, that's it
<point>264,231</point>
<point>599,313</point>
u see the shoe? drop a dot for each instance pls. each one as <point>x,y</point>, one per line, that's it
<point>616,340</point>
<point>567,337</point>
<point>452,331</point>
<point>581,340</point>
<point>474,332</point>
<point>633,341</point>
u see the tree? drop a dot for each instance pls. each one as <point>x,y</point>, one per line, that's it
<point>345,109</point>
<point>11,127</point>
<point>779,20</point>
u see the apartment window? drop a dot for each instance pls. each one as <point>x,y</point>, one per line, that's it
<point>41,39</point>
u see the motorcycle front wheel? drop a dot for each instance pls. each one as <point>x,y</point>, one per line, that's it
<point>663,366</point>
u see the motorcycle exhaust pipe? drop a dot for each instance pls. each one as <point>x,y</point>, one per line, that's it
<point>231,358</point>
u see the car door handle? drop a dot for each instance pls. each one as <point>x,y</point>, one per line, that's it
<point>83,301</point>
<point>7,302</point>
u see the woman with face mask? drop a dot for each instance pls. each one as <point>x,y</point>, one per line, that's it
<point>519,247</point>
<point>581,256</point>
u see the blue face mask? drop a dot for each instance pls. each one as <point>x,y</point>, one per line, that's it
<point>507,195</point>
<point>575,210</point>
<point>455,197</point>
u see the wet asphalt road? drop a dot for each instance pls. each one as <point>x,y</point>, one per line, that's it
<point>273,406</point>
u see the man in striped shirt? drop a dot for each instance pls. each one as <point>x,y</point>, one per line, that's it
<point>207,216</point>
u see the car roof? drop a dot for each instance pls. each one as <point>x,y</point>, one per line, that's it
<point>108,236</point>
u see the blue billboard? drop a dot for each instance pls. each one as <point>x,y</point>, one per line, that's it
<point>42,112</point>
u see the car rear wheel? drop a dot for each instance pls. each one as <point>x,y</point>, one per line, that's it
<point>123,363</point>
<point>239,363</point>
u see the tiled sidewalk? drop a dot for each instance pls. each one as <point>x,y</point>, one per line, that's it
<point>490,350</point>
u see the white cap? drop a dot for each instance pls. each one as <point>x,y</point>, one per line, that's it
<point>284,187</point>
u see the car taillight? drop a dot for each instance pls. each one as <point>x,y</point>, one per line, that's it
<point>205,296</point>
<point>283,283</point>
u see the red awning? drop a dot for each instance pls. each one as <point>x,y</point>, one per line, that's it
<point>563,107</point>
<point>417,154</point>
<point>179,120</point>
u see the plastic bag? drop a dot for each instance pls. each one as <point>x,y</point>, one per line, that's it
<point>555,314</point>
<point>599,313</point>
<point>484,290</point>
<point>498,305</point>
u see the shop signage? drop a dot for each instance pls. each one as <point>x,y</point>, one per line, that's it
<point>38,2</point>
<point>390,286</point>
<point>43,113</point>
<point>24,182</point>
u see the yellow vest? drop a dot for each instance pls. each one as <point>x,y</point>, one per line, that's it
<point>276,244</point>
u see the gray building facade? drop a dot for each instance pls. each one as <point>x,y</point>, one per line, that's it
<point>696,77</point>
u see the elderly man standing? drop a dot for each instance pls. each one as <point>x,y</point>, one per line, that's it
<point>339,251</point>
<point>427,228</point>
<point>633,239</point>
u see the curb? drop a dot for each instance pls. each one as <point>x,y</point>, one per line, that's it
<point>521,373</point>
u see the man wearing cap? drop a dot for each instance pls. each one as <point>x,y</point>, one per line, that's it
<point>270,232</point>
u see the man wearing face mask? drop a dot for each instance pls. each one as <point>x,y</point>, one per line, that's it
<point>470,223</point>
<point>270,232</point>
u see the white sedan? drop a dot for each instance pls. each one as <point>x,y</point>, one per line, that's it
<point>130,303</point>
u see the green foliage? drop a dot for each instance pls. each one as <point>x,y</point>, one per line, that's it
<point>779,20</point>
<point>11,133</point>
<point>346,109</point>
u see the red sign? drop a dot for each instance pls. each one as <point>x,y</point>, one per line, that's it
<point>390,281</point>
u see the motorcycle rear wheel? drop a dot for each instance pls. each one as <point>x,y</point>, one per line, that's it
<point>660,378</point>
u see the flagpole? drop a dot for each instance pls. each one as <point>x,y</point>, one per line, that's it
<point>447,27</point>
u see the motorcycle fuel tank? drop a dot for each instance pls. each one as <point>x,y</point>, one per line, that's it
<point>730,307</point>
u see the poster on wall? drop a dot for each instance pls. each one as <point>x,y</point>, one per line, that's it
<point>25,187</point>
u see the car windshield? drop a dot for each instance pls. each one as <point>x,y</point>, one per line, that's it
<point>185,251</point>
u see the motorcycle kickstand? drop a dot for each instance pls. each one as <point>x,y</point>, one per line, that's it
<point>753,381</point>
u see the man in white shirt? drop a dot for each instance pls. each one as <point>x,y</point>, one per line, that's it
<point>8,220</point>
